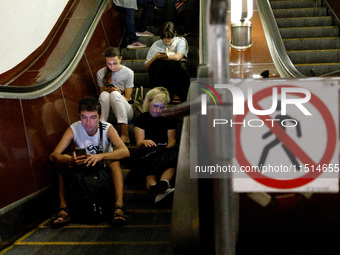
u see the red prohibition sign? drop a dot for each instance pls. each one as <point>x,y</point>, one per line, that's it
<point>280,133</point>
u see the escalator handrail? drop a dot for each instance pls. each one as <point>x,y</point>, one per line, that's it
<point>277,49</point>
<point>66,67</point>
<point>330,74</point>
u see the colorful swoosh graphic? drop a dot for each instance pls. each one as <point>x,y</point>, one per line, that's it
<point>209,93</point>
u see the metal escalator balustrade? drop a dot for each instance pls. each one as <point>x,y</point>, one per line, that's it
<point>67,65</point>
<point>309,35</point>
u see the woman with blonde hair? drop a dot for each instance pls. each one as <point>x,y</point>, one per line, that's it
<point>156,143</point>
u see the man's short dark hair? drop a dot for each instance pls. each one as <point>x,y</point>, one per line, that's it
<point>90,104</point>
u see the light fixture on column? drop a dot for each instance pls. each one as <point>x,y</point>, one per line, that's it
<point>241,12</point>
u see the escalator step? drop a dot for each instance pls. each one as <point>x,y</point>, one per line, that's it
<point>304,22</point>
<point>300,12</point>
<point>314,56</point>
<point>312,43</point>
<point>295,4</point>
<point>309,32</point>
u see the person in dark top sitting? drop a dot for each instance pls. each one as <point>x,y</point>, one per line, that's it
<point>156,143</point>
<point>166,63</point>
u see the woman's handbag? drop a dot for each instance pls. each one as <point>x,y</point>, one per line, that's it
<point>138,102</point>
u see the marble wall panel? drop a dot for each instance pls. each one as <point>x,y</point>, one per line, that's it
<point>16,178</point>
<point>46,119</point>
<point>95,50</point>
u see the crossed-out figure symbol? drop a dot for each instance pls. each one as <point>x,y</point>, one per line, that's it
<point>275,142</point>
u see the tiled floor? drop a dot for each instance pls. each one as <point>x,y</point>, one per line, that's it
<point>254,60</point>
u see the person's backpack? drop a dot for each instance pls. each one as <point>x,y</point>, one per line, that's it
<point>89,191</point>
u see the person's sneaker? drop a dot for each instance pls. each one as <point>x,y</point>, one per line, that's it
<point>136,45</point>
<point>163,185</point>
<point>144,34</point>
<point>161,196</point>
<point>154,189</point>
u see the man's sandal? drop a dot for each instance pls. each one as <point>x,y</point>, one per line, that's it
<point>65,218</point>
<point>119,218</point>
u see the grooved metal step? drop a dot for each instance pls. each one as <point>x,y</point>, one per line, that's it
<point>137,65</point>
<point>142,79</point>
<point>295,4</point>
<point>149,40</point>
<point>312,43</point>
<point>300,12</point>
<point>304,22</point>
<point>133,54</point>
<point>317,69</point>
<point>314,56</point>
<point>305,32</point>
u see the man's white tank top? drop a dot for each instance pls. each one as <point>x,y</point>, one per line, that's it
<point>91,143</point>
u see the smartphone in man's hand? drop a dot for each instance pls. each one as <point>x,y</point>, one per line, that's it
<point>80,152</point>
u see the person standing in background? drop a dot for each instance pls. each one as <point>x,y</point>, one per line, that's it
<point>148,10</point>
<point>129,7</point>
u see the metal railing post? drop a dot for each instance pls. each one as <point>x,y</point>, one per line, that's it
<point>226,206</point>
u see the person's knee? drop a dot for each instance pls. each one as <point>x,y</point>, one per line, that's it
<point>114,165</point>
<point>175,66</point>
<point>104,96</point>
<point>115,96</point>
<point>173,62</point>
<point>157,65</point>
